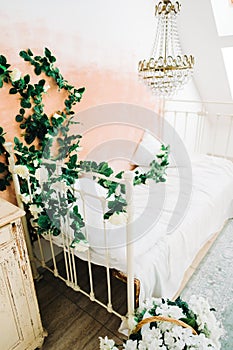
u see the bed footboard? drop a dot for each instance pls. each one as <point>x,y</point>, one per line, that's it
<point>51,248</point>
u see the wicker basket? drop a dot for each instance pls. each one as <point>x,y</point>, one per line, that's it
<point>162,319</point>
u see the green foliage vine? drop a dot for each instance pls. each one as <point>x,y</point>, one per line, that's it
<point>39,131</point>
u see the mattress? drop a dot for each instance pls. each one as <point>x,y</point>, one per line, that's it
<point>171,222</point>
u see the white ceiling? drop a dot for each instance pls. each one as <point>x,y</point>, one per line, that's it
<point>199,36</point>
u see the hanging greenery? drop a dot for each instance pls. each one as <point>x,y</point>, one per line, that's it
<point>40,131</point>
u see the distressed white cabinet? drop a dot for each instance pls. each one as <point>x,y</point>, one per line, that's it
<point>20,323</point>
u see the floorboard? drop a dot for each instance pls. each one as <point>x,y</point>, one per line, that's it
<point>71,319</point>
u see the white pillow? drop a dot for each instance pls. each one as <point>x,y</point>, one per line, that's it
<point>150,146</point>
<point>147,149</point>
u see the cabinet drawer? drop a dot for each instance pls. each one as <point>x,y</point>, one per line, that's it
<point>5,234</point>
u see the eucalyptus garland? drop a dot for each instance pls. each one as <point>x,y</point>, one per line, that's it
<point>39,132</point>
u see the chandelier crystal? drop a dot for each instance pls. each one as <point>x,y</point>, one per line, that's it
<point>168,69</point>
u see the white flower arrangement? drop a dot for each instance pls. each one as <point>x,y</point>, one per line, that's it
<point>175,325</point>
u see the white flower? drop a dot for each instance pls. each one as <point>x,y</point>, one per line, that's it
<point>25,198</point>
<point>147,314</point>
<point>118,190</point>
<point>107,344</point>
<point>153,336</point>
<point>36,163</point>
<point>56,116</point>
<point>205,317</point>
<point>22,171</point>
<point>77,94</point>
<point>77,149</point>
<point>35,210</point>
<point>149,303</point>
<point>37,191</point>
<point>33,223</point>
<point>15,75</point>
<point>46,88</point>
<point>130,345</point>
<point>41,175</point>
<point>118,218</point>
<point>49,136</point>
<point>170,311</point>
<point>81,247</point>
<point>132,323</point>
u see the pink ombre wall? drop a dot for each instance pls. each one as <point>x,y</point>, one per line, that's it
<point>97,45</point>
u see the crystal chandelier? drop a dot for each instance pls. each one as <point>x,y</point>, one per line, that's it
<point>168,69</point>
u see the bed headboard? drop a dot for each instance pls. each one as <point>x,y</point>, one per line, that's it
<point>204,127</point>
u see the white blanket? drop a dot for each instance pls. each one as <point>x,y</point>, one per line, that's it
<point>167,236</point>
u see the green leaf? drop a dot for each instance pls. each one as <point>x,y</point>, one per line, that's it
<point>2,185</point>
<point>72,162</point>
<point>37,109</point>
<point>119,175</point>
<point>37,70</point>
<point>189,321</point>
<point>27,78</point>
<point>41,82</point>
<point>75,210</point>
<point>81,90</point>
<point>44,222</point>
<point>30,90</point>
<point>3,60</point>
<point>29,138</point>
<point>19,118</point>
<point>13,91</point>
<point>30,52</point>
<point>16,141</point>
<point>25,103</point>
<point>2,140</point>
<point>32,149</point>
<point>47,52</point>
<point>3,167</point>
<point>52,59</point>
<point>24,55</point>
<point>2,69</point>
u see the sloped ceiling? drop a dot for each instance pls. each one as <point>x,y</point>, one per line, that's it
<point>199,37</point>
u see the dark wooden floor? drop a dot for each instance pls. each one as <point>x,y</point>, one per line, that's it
<point>72,321</point>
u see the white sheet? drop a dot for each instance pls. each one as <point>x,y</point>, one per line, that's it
<point>165,250</point>
<point>210,206</point>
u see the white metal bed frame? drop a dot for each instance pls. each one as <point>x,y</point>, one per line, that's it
<point>200,114</point>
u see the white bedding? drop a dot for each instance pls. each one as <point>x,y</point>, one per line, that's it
<point>173,236</point>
